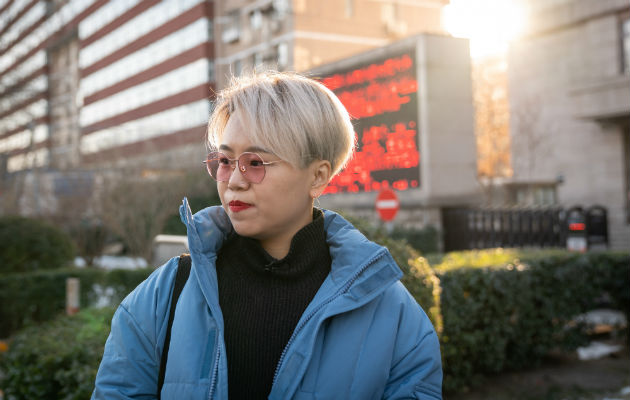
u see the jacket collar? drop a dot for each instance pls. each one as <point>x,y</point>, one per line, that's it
<point>359,267</point>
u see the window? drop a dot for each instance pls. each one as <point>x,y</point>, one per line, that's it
<point>258,59</point>
<point>626,133</point>
<point>237,67</point>
<point>283,56</point>
<point>535,194</point>
<point>210,29</point>
<point>349,8</point>
<point>232,28</point>
<point>625,43</point>
<point>211,71</point>
<point>280,9</point>
<point>255,20</point>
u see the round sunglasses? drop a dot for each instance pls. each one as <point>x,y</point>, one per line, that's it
<point>250,165</point>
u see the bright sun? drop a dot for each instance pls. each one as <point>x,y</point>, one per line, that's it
<point>489,24</point>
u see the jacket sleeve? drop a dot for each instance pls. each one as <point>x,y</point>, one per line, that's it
<point>129,368</point>
<point>416,371</point>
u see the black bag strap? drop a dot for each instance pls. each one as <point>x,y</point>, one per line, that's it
<point>183,270</point>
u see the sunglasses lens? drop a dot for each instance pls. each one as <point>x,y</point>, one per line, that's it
<point>252,167</point>
<point>218,166</point>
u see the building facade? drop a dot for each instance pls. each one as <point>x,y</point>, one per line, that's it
<point>93,83</point>
<point>146,77</point>
<point>87,81</point>
<point>302,34</point>
<point>90,85</point>
<point>569,88</point>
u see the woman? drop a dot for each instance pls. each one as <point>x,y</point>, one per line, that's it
<point>284,301</point>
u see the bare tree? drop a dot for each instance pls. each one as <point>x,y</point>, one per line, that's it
<point>492,123</point>
<point>529,139</point>
<point>136,208</point>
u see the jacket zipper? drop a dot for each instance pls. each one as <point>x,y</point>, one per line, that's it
<point>340,292</point>
<point>215,371</point>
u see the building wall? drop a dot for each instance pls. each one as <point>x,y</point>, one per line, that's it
<point>88,84</point>
<point>302,34</point>
<point>92,81</point>
<point>25,32</point>
<point>252,35</point>
<point>63,110</point>
<point>38,80</point>
<point>329,30</point>
<point>146,78</point>
<point>570,107</point>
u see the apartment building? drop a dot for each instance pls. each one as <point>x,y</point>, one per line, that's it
<point>302,34</point>
<point>90,81</point>
<point>84,82</point>
<point>569,89</point>
<point>146,78</point>
<point>30,36</point>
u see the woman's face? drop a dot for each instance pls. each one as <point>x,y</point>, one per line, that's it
<point>273,210</point>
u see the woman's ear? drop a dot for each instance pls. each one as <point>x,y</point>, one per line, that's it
<point>321,172</point>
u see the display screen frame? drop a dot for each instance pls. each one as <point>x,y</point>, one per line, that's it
<point>381,95</point>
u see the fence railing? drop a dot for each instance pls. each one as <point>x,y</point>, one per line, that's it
<point>468,228</point>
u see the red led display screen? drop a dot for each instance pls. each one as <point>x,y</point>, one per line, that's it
<point>381,97</point>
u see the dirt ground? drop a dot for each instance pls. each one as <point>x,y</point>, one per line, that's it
<point>562,377</point>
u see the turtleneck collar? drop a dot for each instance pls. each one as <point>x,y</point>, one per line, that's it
<point>308,250</point>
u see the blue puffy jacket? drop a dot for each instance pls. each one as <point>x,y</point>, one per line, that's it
<point>361,337</point>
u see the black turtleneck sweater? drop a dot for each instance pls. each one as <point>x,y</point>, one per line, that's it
<point>262,300</point>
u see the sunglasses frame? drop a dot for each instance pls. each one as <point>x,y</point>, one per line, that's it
<point>236,161</point>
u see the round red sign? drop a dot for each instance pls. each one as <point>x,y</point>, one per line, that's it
<point>387,204</point>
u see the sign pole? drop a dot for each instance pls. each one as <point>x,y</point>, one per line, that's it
<point>72,295</point>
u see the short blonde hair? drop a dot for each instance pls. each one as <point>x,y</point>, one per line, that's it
<point>297,118</point>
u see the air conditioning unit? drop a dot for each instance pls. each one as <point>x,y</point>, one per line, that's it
<point>275,25</point>
<point>396,27</point>
<point>230,35</point>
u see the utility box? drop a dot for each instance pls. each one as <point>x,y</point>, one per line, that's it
<point>166,247</point>
<point>576,230</point>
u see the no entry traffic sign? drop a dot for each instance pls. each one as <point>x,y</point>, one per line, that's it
<point>387,204</point>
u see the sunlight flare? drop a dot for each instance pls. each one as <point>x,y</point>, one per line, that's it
<point>489,24</point>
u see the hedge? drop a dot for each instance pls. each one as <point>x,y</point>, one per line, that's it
<point>510,316</point>
<point>28,244</point>
<point>419,278</point>
<point>505,316</point>
<point>39,296</point>
<point>57,360</point>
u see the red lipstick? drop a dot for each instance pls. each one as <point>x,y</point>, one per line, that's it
<point>237,206</point>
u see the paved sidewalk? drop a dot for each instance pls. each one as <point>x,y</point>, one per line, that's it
<point>561,378</point>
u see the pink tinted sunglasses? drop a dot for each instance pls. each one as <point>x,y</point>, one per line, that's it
<point>250,165</point>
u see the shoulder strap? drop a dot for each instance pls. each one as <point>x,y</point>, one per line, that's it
<point>183,270</point>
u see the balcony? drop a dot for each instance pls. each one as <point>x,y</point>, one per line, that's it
<point>602,99</point>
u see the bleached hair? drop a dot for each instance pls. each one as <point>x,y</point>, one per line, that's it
<point>297,118</point>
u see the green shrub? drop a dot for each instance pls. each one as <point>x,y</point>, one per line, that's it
<point>29,244</point>
<point>39,296</point>
<point>489,257</point>
<point>58,359</point>
<point>424,240</point>
<point>510,316</point>
<point>419,278</point>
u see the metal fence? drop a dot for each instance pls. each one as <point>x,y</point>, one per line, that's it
<point>466,228</point>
